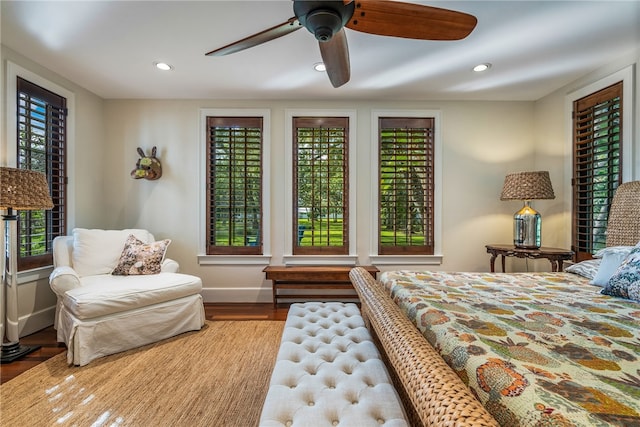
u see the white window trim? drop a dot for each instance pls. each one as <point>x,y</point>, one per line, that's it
<point>10,149</point>
<point>436,258</point>
<point>626,75</point>
<point>288,257</point>
<point>203,258</point>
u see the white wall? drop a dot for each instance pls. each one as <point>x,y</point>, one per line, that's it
<point>551,155</point>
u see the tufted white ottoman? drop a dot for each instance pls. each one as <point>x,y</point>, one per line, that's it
<point>329,373</point>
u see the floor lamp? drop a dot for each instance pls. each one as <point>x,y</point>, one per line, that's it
<point>20,189</point>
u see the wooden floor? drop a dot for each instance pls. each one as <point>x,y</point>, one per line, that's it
<point>47,337</point>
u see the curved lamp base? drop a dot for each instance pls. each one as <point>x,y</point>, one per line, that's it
<point>14,351</point>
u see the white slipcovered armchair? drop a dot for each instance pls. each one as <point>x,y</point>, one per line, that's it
<point>99,313</point>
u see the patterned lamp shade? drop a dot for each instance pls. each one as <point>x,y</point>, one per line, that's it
<point>527,186</point>
<point>23,189</point>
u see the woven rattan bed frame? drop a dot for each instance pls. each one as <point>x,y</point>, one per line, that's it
<point>432,393</point>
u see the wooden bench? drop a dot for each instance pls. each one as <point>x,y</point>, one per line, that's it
<point>312,277</point>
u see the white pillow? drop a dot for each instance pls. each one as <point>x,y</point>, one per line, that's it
<point>98,251</point>
<point>588,268</point>
<point>613,249</point>
<point>611,258</point>
<point>609,264</point>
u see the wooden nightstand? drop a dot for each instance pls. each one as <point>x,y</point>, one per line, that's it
<point>555,255</point>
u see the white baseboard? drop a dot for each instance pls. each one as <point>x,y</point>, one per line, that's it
<point>36,321</point>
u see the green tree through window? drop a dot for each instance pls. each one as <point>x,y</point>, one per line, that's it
<point>234,191</point>
<point>597,170</point>
<point>41,146</point>
<point>320,185</point>
<point>406,186</point>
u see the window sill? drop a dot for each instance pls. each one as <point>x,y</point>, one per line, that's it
<point>234,259</point>
<point>320,260</point>
<point>406,259</point>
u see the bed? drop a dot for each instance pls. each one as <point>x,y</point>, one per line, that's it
<point>520,349</point>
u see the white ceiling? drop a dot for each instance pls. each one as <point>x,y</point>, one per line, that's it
<point>109,48</point>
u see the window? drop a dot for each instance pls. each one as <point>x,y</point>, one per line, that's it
<point>41,146</point>
<point>234,185</point>
<point>406,186</point>
<point>320,186</point>
<point>597,166</point>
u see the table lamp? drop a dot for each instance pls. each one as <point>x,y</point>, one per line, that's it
<point>527,223</point>
<point>20,189</point>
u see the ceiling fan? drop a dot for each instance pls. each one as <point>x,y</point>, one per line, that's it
<point>326,21</point>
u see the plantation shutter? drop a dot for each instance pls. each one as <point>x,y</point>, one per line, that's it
<point>597,160</point>
<point>42,147</point>
<point>234,190</point>
<point>320,186</point>
<point>406,186</point>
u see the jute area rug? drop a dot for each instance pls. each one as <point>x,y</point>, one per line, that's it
<point>217,376</point>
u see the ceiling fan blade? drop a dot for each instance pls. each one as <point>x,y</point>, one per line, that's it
<point>411,21</point>
<point>335,55</point>
<point>262,37</point>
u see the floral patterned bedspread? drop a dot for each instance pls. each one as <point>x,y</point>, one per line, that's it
<point>537,349</point>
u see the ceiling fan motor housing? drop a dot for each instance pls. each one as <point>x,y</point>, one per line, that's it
<point>323,18</point>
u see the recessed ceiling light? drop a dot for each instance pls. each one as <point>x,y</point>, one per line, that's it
<point>163,66</point>
<point>481,67</point>
<point>319,66</point>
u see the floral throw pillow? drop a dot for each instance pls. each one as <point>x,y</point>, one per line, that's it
<point>625,282</point>
<point>139,258</point>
